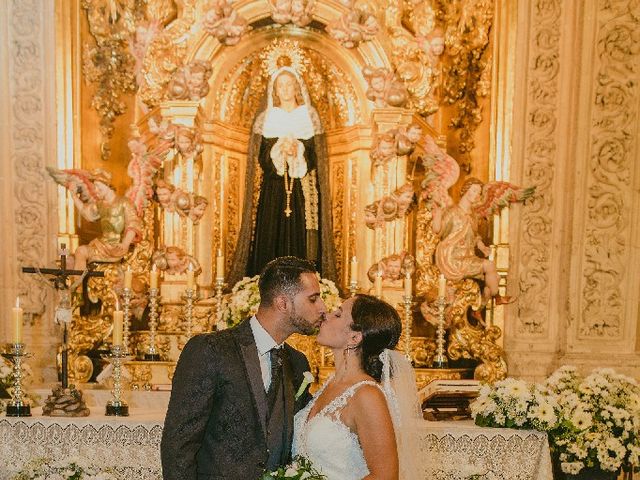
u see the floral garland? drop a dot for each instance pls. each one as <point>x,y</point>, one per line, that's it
<point>70,468</point>
<point>245,297</point>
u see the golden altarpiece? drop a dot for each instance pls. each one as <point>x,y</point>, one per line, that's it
<point>372,69</point>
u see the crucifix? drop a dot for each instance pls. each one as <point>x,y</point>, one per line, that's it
<point>61,280</point>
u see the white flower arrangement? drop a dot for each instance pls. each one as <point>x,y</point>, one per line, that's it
<point>600,420</point>
<point>245,297</point>
<point>514,403</point>
<point>70,468</point>
<point>300,468</point>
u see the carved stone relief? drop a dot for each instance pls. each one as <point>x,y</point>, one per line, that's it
<point>613,141</point>
<point>539,169</point>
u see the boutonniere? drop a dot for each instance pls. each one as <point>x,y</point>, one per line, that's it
<point>308,380</point>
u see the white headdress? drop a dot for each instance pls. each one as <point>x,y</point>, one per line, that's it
<point>278,123</point>
<point>399,384</point>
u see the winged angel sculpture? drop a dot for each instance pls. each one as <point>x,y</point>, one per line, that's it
<point>120,216</point>
<point>457,224</point>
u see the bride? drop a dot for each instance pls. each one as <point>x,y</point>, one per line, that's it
<point>361,423</point>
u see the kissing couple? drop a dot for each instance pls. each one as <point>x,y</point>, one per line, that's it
<point>240,403</point>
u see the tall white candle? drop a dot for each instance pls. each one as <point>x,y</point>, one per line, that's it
<point>191,281</point>
<point>153,277</point>
<point>378,285</point>
<point>17,314</point>
<point>354,269</point>
<point>118,321</point>
<point>408,285</point>
<point>220,265</point>
<point>442,286</point>
<point>128,277</point>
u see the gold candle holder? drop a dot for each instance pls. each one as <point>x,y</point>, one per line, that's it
<point>190,295</point>
<point>17,407</point>
<point>127,294</point>
<point>407,302</point>
<point>152,353</point>
<point>117,407</point>
<point>440,360</point>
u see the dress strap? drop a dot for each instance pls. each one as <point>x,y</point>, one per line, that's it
<point>342,400</point>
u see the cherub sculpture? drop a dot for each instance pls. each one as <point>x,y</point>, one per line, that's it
<point>298,12</point>
<point>384,149</point>
<point>457,224</point>
<point>406,139</point>
<point>190,82</point>
<point>390,207</point>
<point>354,27</point>
<point>385,90</point>
<point>96,199</point>
<point>223,22</point>
<point>432,44</point>
<point>174,261</point>
<point>188,141</point>
<point>393,268</point>
<point>183,203</point>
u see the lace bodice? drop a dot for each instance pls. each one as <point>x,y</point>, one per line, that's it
<point>325,440</point>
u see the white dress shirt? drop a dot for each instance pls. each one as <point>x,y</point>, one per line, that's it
<point>265,343</point>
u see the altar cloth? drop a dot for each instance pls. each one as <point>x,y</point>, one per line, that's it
<point>130,446</point>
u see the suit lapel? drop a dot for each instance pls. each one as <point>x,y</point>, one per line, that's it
<point>247,345</point>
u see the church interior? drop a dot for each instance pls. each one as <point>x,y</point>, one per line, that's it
<point>475,163</point>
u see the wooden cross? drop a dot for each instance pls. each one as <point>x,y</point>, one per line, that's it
<point>60,280</point>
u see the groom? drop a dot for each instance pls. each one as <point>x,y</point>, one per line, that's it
<point>232,402</point>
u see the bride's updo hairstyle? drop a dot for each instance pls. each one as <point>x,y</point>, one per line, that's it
<point>380,326</point>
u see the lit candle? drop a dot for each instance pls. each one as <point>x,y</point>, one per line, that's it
<point>153,277</point>
<point>354,269</point>
<point>378,285</point>
<point>220,266</point>
<point>408,285</point>
<point>442,286</point>
<point>128,277</point>
<point>118,319</point>
<point>17,322</point>
<point>191,281</point>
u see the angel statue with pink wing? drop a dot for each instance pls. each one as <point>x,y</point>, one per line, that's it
<point>457,224</point>
<point>96,199</point>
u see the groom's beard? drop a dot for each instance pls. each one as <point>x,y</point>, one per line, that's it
<point>302,325</point>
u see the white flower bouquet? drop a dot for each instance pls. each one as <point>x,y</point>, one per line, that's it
<point>70,468</point>
<point>299,469</point>
<point>600,420</point>
<point>245,297</point>
<point>514,403</point>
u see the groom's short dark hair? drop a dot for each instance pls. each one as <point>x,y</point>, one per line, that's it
<point>282,275</point>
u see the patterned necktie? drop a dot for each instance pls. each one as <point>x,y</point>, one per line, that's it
<point>276,373</point>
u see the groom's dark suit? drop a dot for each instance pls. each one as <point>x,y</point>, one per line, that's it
<point>219,424</point>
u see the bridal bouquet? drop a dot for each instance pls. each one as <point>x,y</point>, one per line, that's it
<point>600,420</point>
<point>245,297</point>
<point>299,469</point>
<point>70,468</point>
<point>515,403</point>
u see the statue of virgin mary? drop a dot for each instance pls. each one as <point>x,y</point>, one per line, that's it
<point>293,210</point>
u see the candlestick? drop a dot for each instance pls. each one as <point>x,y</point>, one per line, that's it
<point>128,278</point>
<point>152,352</point>
<point>153,277</point>
<point>116,406</point>
<point>378,285</point>
<point>127,295</point>
<point>440,360</point>
<point>17,314</point>
<point>190,278</point>
<point>407,320</point>
<point>17,407</point>
<point>118,316</point>
<point>442,286</point>
<point>220,266</point>
<point>189,297</point>
<point>408,285</point>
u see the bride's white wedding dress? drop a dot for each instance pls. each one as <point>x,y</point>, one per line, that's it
<point>325,440</point>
